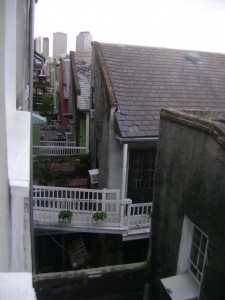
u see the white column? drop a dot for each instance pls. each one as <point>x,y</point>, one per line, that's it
<point>124,175</point>
<point>87,131</point>
<point>10,57</point>
<point>20,218</point>
<point>5,221</point>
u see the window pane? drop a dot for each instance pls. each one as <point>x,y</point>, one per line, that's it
<point>194,254</point>
<point>203,243</point>
<point>193,270</point>
<point>197,254</point>
<point>196,237</point>
<point>200,262</point>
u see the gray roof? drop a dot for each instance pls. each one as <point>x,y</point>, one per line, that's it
<point>66,77</point>
<point>83,69</point>
<point>144,80</point>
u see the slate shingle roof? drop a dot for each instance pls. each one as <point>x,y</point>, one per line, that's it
<point>146,79</point>
<point>83,69</point>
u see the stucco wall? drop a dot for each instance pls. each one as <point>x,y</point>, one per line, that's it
<point>5,228</point>
<point>99,126</point>
<point>189,180</point>
<point>110,151</point>
<point>124,282</point>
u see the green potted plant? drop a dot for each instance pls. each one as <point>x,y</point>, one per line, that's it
<point>99,215</point>
<point>65,215</point>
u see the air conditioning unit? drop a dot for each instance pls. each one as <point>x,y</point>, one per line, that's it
<point>92,113</point>
<point>94,175</point>
<point>69,136</point>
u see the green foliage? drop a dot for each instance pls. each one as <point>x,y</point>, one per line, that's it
<point>65,215</point>
<point>84,163</point>
<point>47,104</point>
<point>99,215</point>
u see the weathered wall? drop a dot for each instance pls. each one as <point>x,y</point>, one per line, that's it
<point>99,126</point>
<point>111,283</point>
<point>189,180</point>
<point>103,145</point>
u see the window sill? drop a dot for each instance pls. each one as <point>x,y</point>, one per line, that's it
<point>181,287</point>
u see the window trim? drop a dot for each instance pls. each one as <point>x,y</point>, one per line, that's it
<point>185,249</point>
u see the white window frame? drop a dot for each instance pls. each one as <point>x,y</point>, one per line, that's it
<point>184,261</point>
<point>185,285</point>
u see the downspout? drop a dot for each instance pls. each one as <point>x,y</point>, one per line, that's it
<point>31,54</point>
<point>124,174</point>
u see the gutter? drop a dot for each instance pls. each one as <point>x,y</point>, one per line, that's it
<point>138,139</point>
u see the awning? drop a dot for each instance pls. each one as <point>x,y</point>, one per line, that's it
<point>37,119</point>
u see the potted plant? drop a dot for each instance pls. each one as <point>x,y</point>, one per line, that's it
<point>65,215</point>
<point>99,215</point>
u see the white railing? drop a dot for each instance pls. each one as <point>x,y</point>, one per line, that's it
<point>58,144</point>
<point>48,201</point>
<point>41,192</point>
<point>58,150</point>
<point>138,215</point>
<point>46,211</point>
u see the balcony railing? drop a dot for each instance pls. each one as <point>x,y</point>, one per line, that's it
<point>49,201</point>
<point>53,148</point>
<point>58,144</point>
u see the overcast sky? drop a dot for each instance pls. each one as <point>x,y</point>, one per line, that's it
<point>185,24</point>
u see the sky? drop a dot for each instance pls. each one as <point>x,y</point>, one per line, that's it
<point>181,24</point>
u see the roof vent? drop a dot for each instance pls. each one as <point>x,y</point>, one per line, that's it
<point>193,57</point>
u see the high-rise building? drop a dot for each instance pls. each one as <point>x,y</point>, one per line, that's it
<point>37,44</point>
<point>59,44</point>
<point>83,41</point>
<point>45,49</point>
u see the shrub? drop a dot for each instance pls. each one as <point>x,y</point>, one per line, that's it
<point>99,215</point>
<point>65,215</point>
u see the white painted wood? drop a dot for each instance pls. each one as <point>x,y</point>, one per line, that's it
<point>16,286</point>
<point>51,150</point>
<point>5,225</point>
<point>48,201</point>
<point>124,176</point>
<point>87,131</point>
<point>185,246</point>
<point>181,287</point>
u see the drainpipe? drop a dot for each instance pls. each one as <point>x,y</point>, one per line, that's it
<point>124,174</point>
<point>31,54</point>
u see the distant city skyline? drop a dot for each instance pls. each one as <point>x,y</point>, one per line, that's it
<point>182,24</point>
<point>59,44</point>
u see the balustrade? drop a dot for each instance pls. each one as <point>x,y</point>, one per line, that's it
<point>49,201</point>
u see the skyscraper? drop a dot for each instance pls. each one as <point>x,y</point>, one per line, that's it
<point>37,44</point>
<point>83,41</point>
<point>46,47</point>
<point>59,44</point>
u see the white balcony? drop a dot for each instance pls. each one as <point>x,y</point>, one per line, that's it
<point>123,217</point>
<point>55,148</point>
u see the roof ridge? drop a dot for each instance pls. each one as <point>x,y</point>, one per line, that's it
<point>160,48</point>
